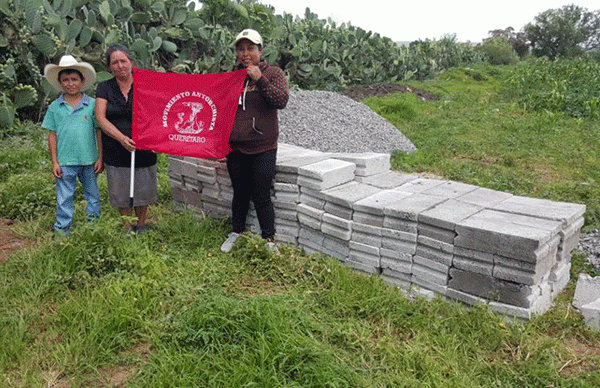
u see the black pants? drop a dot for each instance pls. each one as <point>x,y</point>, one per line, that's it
<point>251,178</point>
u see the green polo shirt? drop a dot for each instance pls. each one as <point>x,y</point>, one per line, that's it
<point>75,131</point>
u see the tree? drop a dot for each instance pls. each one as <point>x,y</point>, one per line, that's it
<point>517,40</point>
<point>565,32</point>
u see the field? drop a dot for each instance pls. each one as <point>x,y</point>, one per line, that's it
<point>168,309</point>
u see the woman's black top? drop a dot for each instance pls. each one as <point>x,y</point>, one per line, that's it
<point>118,112</point>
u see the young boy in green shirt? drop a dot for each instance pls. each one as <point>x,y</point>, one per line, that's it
<point>73,139</point>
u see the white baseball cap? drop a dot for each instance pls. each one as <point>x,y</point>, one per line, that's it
<point>250,34</point>
<point>69,62</point>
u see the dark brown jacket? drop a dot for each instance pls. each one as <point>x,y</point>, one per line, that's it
<point>256,128</point>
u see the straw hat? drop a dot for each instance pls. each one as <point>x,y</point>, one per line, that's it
<point>252,35</point>
<point>69,62</point>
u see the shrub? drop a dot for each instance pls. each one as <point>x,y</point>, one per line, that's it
<point>499,51</point>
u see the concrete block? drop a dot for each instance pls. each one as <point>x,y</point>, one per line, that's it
<point>400,224</point>
<point>310,211</point>
<point>375,204</point>
<point>436,233</point>
<point>587,290</point>
<point>464,297</point>
<point>341,223</point>
<point>435,244</point>
<point>284,213</point>
<point>283,196</point>
<point>402,266</point>
<point>348,193</point>
<point>447,214</point>
<point>569,239</point>
<point>338,211</point>
<point>450,189</point>
<point>367,164</point>
<point>189,169</point>
<point>293,164</point>
<point>387,180</point>
<point>337,248</point>
<point>336,231</point>
<point>399,245</point>
<point>559,277</point>
<point>591,314</point>
<point>432,281</point>
<point>364,248</point>
<point>400,235</point>
<point>505,234</point>
<point>312,198</point>
<point>311,234</point>
<point>285,177</point>
<point>408,207</point>
<point>309,222</point>
<point>542,208</point>
<point>191,184</point>
<point>443,258</point>
<point>524,272</point>
<point>368,267</point>
<point>192,198</point>
<point>177,194</point>
<point>483,197</point>
<point>206,174</point>
<point>367,218</point>
<point>513,311</point>
<point>327,173</point>
<point>420,184</point>
<point>396,279</point>
<point>473,261</point>
<point>492,288</point>
<point>432,264</point>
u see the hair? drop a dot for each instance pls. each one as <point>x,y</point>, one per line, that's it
<point>117,47</point>
<point>70,71</point>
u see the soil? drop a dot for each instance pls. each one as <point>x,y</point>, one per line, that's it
<point>360,92</point>
<point>9,242</point>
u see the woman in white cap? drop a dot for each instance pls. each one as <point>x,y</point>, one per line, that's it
<point>73,139</point>
<point>114,105</point>
<point>253,141</point>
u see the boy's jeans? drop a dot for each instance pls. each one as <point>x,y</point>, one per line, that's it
<point>65,190</point>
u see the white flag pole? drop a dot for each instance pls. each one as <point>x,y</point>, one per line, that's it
<point>131,179</point>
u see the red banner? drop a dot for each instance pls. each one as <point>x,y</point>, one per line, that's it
<point>185,114</point>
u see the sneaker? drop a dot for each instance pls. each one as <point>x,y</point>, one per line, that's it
<point>229,243</point>
<point>272,245</point>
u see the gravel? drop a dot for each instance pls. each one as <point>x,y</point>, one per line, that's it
<point>331,122</point>
<point>590,244</point>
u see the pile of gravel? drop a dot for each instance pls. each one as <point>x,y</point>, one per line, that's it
<point>330,122</point>
<point>590,244</point>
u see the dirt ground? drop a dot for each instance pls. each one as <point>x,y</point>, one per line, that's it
<point>9,242</point>
<point>360,92</point>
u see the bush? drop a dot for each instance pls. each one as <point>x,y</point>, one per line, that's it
<point>570,86</point>
<point>499,51</point>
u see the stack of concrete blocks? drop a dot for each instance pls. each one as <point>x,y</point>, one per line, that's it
<point>427,236</point>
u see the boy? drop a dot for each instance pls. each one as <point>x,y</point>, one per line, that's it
<point>73,139</point>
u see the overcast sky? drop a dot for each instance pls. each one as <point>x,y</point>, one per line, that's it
<point>469,20</point>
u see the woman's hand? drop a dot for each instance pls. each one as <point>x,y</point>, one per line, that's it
<point>254,72</point>
<point>128,143</point>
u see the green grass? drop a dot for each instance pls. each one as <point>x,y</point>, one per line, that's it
<point>168,309</point>
<point>475,134</point>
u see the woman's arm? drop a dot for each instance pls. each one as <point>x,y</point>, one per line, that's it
<point>273,87</point>
<point>108,128</point>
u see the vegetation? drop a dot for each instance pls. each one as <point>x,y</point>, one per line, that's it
<point>564,33</point>
<point>167,308</point>
<point>173,36</point>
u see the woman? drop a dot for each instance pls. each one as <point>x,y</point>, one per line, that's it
<point>113,113</point>
<point>253,141</point>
